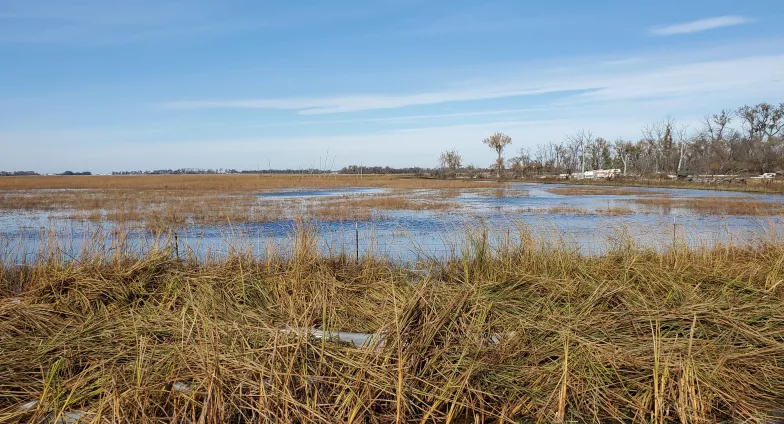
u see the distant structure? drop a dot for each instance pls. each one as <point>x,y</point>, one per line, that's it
<point>596,174</point>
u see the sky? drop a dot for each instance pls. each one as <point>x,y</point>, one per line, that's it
<point>108,85</point>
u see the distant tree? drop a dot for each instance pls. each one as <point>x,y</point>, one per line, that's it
<point>578,144</point>
<point>450,162</point>
<point>498,142</point>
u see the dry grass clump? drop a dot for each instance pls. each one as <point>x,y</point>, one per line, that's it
<point>232,183</point>
<point>500,192</point>
<point>600,191</point>
<point>517,333</point>
<point>616,211</point>
<point>397,203</point>
<point>715,205</point>
<point>581,211</point>
<point>337,211</point>
<point>565,210</point>
<point>365,208</point>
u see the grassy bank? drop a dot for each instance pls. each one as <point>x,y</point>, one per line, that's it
<point>765,187</point>
<point>517,333</point>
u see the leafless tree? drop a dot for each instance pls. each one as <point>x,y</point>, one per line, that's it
<point>450,162</point>
<point>578,144</point>
<point>498,142</point>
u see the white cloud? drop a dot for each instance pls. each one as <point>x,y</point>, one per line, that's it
<point>639,79</point>
<point>701,25</point>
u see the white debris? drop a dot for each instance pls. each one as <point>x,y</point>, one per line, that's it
<point>357,339</point>
<point>365,339</point>
<point>29,406</point>
<point>182,387</point>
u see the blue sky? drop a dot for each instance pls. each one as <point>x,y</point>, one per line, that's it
<point>106,85</point>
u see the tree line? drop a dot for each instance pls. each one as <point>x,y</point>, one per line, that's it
<point>746,140</point>
<point>32,173</point>
<point>17,173</point>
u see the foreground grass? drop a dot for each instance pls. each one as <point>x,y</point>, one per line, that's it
<point>516,333</point>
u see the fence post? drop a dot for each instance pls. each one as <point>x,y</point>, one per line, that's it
<point>176,246</point>
<point>356,229</point>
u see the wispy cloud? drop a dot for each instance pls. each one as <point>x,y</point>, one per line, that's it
<point>406,118</point>
<point>99,22</point>
<point>701,25</point>
<point>583,84</point>
<point>353,103</point>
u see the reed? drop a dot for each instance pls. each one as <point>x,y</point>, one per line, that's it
<point>518,330</point>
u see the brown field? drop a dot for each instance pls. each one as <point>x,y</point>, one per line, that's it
<point>715,205</point>
<point>233,183</point>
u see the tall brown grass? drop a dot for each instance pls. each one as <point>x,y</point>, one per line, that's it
<point>519,332</point>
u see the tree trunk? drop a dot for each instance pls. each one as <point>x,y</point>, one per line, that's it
<point>680,158</point>
<point>625,160</point>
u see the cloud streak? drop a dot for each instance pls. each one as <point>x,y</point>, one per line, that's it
<point>747,75</point>
<point>700,25</point>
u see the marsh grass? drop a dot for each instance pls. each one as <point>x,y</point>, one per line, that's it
<point>714,205</point>
<point>513,331</point>
<point>583,211</point>
<point>161,210</point>
<point>601,191</point>
<point>398,202</point>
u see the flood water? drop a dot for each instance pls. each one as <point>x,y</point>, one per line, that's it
<point>408,235</point>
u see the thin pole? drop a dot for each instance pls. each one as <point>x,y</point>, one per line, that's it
<point>356,229</point>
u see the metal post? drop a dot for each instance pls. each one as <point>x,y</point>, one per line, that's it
<point>176,246</point>
<point>356,229</point>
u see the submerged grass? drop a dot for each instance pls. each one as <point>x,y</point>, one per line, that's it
<point>715,205</point>
<point>602,190</point>
<point>521,331</point>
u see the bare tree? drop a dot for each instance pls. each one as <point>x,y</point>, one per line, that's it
<point>579,142</point>
<point>762,124</point>
<point>450,162</point>
<point>498,142</point>
<point>623,150</point>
